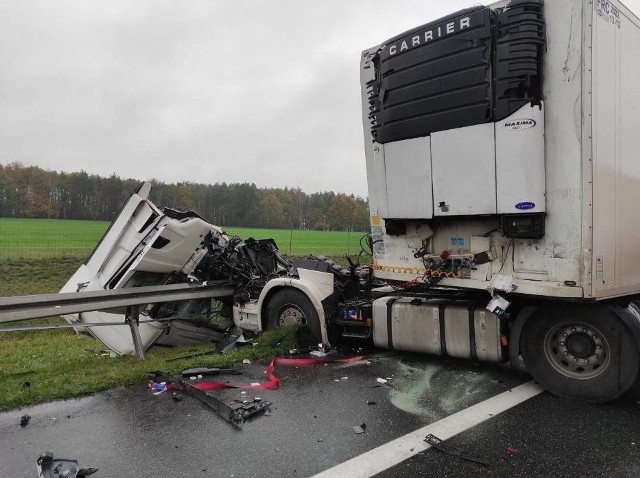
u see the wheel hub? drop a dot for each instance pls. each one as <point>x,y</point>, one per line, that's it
<point>577,350</point>
<point>291,315</point>
<point>581,345</point>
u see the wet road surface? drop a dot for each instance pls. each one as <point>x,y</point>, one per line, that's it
<point>131,432</point>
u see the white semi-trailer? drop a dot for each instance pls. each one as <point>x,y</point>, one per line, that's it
<point>503,155</point>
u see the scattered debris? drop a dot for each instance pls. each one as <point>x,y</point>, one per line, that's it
<point>246,361</point>
<point>24,420</point>
<point>50,467</point>
<point>371,402</point>
<point>439,445</point>
<point>360,429</point>
<point>382,381</point>
<point>177,396</point>
<point>235,415</point>
<point>511,450</point>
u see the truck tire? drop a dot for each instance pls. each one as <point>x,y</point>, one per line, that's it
<point>580,352</point>
<point>292,306</point>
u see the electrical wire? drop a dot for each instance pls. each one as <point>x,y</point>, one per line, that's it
<point>504,255</point>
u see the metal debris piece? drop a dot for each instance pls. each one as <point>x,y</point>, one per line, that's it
<point>50,467</point>
<point>439,445</point>
<point>247,410</point>
<point>157,375</point>
<point>235,415</point>
<point>360,429</point>
<point>209,371</point>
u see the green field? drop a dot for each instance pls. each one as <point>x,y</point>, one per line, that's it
<point>46,238</point>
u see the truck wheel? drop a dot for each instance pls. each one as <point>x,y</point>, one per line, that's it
<point>584,353</point>
<point>292,306</point>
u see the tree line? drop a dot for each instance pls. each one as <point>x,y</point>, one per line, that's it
<point>32,192</point>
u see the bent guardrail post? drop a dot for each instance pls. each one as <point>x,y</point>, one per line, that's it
<point>131,317</point>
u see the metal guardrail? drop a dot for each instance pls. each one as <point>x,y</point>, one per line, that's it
<point>26,307</point>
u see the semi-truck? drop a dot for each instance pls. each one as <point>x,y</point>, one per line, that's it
<point>503,165</point>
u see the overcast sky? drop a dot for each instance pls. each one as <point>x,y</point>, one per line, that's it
<point>196,90</point>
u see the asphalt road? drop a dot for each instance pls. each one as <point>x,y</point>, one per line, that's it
<point>131,432</point>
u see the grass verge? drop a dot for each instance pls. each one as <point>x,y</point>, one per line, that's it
<point>38,367</point>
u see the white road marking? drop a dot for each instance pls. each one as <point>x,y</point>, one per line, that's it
<point>405,447</point>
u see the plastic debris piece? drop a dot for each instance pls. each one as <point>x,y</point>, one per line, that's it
<point>24,420</point>
<point>255,384</point>
<point>158,387</point>
<point>318,353</point>
<point>511,450</point>
<point>246,361</point>
<point>381,380</point>
<point>359,429</point>
<point>177,396</point>
<point>371,402</point>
